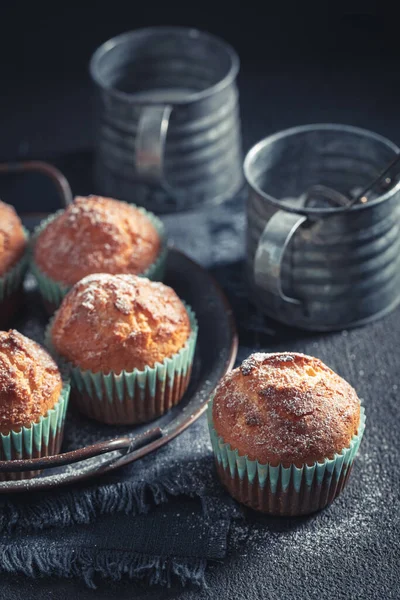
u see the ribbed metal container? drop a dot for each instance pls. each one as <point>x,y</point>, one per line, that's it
<point>167,119</point>
<point>321,268</point>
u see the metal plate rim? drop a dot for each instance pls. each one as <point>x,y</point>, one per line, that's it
<point>42,483</point>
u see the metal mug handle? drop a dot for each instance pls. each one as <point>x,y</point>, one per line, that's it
<point>271,248</point>
<point>150,143</point>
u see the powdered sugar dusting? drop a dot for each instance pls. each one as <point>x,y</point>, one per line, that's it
<point>286,408</point>
<point>12,237</point>
<point>120,322</point>
<point>30,382</point>
<point>95,235</point>
<point>123,304</point>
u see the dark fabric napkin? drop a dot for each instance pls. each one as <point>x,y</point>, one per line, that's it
<point>162,517</point>
<point>152,523</point>
<point>166,517</point>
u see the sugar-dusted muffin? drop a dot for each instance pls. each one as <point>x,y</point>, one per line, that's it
<point>96,235</point>
<point>293,426</point>
<point>119,323</point>
<point>33,399</point>
<point>12,238</point>
<point>13,262</point>
<point>129,330</point>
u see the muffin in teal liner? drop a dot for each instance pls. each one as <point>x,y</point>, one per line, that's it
<point>13,262</point>
<point>95,235</point>
<point>128,344</point>
<point>285,430</point>
<point>33,402</point>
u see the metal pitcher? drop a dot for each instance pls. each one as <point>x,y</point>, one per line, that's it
<point>168,128</point>
<point>322,267</point>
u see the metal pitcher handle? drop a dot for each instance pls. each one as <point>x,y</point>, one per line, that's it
<point>150,143</point>
<point>270,251</point>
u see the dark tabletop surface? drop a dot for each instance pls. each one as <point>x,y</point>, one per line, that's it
<point>352,551</point>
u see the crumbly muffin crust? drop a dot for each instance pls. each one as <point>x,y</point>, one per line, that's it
<point>30,382</point>
<point>12,238</point>
<point>119,322</point>
<point>285,408</point>
<point>96,235</point>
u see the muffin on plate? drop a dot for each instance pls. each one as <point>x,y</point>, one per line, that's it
<point>33,401</point>
<point>129,344</point>
<point>13,262</point>
<point>95,235</point>
<point>285,430</point>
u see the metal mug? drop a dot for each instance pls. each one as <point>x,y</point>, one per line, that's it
<point>168,130</point>
<point>321,267</point>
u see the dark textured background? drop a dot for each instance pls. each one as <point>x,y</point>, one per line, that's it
<point>295,70</point>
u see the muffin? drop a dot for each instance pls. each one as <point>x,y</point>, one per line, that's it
<point>129,344</point>
<point>95,235</point>
<point>13,262</point>
<point>33,401</point>
<point>285,430</point>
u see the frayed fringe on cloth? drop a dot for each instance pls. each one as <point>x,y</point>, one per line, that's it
<point>67,562</point>
<point>80,507</point>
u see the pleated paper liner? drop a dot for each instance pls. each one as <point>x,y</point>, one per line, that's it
<point>278,490</point>
<point>11,290</point>
<point>53,292</point>
<point>133,397</point>
<point>43,438</point>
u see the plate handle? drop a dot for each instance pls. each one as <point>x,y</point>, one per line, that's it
<point>125,444</point>
<point>60,182</point>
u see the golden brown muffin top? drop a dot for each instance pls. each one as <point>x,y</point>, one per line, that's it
<point>119,322</point>
<point>12,238</point>
<point>285,408</point>
<point>30,382</point>
<point>96,235</point>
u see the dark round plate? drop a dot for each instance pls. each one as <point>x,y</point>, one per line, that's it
<point>90,448</point>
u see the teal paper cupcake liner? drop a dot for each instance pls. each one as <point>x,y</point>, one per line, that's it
<point>278,490</point>
<point>53,291</point>
<point>11,289</point>
<point>42,438</point>
<point>131,397</point>
<point>13,279</point>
